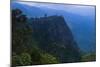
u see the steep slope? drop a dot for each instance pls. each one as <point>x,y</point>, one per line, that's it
<point>80,25</point>
<point>55,37</point>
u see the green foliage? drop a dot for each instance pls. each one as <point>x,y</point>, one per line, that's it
<point>25,59</point>
<point>22,39</point>
<point>16,60</point>
<point>36,55</point>
<point>41,57</point>
<point>48,59</point>
<point>35,48</point>
<point>22,59</point>
<point>89,57</point>
<point>21,32</point>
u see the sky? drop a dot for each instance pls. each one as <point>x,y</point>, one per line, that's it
<point>77,9</point>
<point>89,2</point>
<point>81,21</point>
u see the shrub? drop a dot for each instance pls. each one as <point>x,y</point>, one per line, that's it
<point>89,57</point>
<point>25,59</point>
<point>22,59</point>
<point>48,59</point>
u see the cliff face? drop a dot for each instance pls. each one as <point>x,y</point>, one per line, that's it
<point>54,36</point>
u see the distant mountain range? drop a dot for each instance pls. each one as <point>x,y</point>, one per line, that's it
<point>82,26</point>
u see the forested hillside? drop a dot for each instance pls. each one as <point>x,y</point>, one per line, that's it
<point>42,40</point>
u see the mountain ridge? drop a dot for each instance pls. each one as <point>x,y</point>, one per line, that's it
<point>80,28</point>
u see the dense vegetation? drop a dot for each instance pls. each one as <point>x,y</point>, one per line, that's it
<point>43,40</point>
<point>24,48</point>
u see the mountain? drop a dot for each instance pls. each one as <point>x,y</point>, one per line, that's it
<point>82,27</point>
<point>55,37</point>
<point>82,24</point>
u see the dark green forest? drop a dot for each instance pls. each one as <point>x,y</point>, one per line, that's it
<point>43,40</point>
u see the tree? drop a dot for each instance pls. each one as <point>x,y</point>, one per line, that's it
<point>48,59</point>
<point>88,57</point>
<point>25,59</point>
<point>22,59</point>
